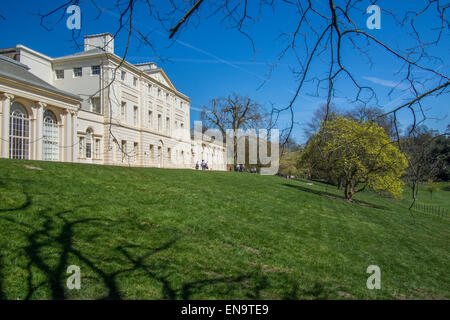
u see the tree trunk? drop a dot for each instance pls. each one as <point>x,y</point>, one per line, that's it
<point>349,191</point>
<point>414,190</point>
<point>340,184</point>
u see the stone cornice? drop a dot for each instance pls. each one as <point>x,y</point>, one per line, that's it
<point>5,96</point>
<point>39,104</point>
<point>57,95</point>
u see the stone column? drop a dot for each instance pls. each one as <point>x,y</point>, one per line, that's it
<point>39,128</point>
<point>34,130</point>
<point>68,144</point>
<point>74,136</point>
<point>6,99</point>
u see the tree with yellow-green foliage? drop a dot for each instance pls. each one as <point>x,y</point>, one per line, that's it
<point>289,163</point>
<point>360,154</point>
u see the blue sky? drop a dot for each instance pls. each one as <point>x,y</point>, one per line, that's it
<point>211,60</point>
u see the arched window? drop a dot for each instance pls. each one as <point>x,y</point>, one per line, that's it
<point>50,137</point>
<point>88,144</point>
<point>19,132</point>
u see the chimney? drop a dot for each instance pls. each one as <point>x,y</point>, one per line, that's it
<point>104,41</point>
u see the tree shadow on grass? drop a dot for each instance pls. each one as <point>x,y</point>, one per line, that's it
<point>334,196</point>
<point>27,203</point>
<point>316,290</point>
<point>39,238</point>
<point>186,290</point>
<point>189,289</point>
<point>55,231</point>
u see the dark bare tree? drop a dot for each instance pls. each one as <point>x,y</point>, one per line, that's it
<point>358,113</point>
<point>441,148</point>
<point>366,113</point>
<point>235,113</point>
<point>423,162</point>
<point>321,114</point>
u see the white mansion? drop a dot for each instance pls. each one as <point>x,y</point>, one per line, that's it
<point>93,107</point>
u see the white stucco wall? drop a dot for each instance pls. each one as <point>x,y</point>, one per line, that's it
<point>109,125</point>
<point>85,86</point>
<point>40,65</point>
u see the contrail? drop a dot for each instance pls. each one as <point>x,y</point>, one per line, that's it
<point>218,59</point>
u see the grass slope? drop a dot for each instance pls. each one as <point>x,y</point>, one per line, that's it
<point>140,233</point>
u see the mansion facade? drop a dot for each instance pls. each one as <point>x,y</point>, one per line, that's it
<point>95,107</point>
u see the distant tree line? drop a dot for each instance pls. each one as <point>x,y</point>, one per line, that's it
<point>352,149</point>
<point>428,154</point>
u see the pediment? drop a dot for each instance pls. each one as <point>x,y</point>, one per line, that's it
<point>160,76</point>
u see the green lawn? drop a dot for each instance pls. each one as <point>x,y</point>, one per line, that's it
<point>140,233</point>
<point>440,199</point>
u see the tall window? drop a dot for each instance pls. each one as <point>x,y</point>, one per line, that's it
<point>123,75</point>
<point>124,150</point>
<point>114,148</point>
<point>97,149</point>
<point>149,88</point>
<point>51,137</point>
<point>95,70</point>
<point>123,111</point>
<point>59,74</point>
<point>19,132</point>
<point>152,154</point>
<point>77,72</point>
<point>160,157</point>
<point>81,147</point>
<point>95,101</point>
<point>88,144</point>
<point>169,155</point>
<point>135,81</point>
<point>159,123</point>
<point>150,119</point>
<point>159,93</point>
<point>136,152</point>
<point>135,116</point>
<point>167,125</point>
